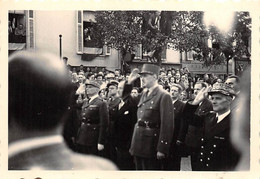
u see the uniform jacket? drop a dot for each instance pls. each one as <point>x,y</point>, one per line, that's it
<point>155,110</point>
<point>192,125</point>
<point>216,152</point>
<point>94,122</point>
<point>113,110</point>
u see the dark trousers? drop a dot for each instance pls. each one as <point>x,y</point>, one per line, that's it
<point>146,163</point>
<point>87,149</point>
<point>194,154</point>
<point>172,163</point>
<point>124,160</point>
<point>110,152</point>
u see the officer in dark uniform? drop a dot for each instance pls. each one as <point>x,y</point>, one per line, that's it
<point>113,102</point>
<point>153,131</point>
<point>216,151</point>
<point>94,121</point>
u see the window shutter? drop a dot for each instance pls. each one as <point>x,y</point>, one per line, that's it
<point>138,51</point>
<point>79,32</point>
<point>108,50</point>
<point>190,55</point>
<point>30,30</point>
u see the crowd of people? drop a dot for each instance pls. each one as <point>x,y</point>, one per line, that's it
<point>174,127</point>
<point>166,78</point>
<point>146,120</point>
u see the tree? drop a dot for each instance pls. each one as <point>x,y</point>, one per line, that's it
<point>179,30</point>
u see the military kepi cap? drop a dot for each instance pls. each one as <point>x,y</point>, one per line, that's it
<point>93,83</point>
<point>222,88</point>
<point>177,85</point>
<point>113,83</point>
<point>150,69</point>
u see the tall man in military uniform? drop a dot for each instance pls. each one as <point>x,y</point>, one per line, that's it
<point>216,151</point>
<point>154,128</point>
<point>94,121</point>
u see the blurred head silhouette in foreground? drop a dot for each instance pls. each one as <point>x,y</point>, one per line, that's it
<point>39,90</point>
<point>39,95</point>
<point>240,128</point>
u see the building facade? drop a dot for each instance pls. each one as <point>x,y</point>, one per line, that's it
<point>42,30</point>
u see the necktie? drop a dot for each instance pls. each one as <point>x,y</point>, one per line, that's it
<point>146,94</point>
<point>215,120</point>
<point>121,104</point>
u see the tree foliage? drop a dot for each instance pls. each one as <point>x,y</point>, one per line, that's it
<point>179,30</point>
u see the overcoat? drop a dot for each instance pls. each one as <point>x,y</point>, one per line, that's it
<point>155,124</point>
<point>94,122</point>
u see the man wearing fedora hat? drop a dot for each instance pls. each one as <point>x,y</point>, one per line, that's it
<point>93,122</point>
<point>154,128</point>
<point>216,151</point>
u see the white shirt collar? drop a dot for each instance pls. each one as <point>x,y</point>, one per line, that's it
<point>173,101</point>
<point>222,116</point>
<point>93,97</point>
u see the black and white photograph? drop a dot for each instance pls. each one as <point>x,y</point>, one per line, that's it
<point>130,91</point>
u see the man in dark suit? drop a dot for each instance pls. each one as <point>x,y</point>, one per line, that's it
<point>234,82</point>
<point>174,160</point>
<point>191,130</point>
<point>94,121</point>
<point>125,120</point>
<point>216,151</point>
<point>153,131</point>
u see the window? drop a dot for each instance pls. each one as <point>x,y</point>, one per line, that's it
<point>21,30</point>
<point>17,27</point>
<point>88,37</point>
